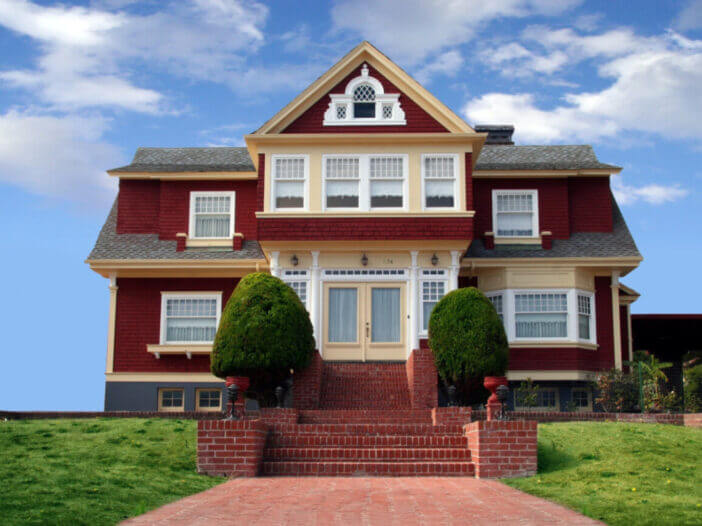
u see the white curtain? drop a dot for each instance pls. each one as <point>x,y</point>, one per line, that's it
<point>385,307</point>
<point>214,225</point>
<point>343,321</point>
<point>439,193</point>
<point>428,307</point>
<point>191,329</point>
<point>514,224</point>
<point>542,325</point>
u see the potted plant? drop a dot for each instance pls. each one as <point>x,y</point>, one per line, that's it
<point>264,330</point>
<point>468,340</point>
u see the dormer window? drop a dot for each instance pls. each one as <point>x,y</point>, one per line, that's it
<point>365,103</point>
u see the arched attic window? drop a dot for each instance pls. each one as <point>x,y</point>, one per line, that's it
<point>364,102</point>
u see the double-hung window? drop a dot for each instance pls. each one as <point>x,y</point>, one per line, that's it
<point>208,399</point>
<point>289,174</point>
<point>365,182</point>
<point>541,315</point>
<point>170,400</point>
<point>189,317</point>
<point>298,280</point>
<point>584,316</point>
<point>212,215</point>
<point>440,181</point>
<point>497,302</point>
<point>515,213</point>
<point>432,287</point>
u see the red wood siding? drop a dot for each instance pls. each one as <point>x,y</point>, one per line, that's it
<point>261,183</point>
<point>137,207</point>
<point>418,120</point>
<point>590,205</point>
<point>469,181</point>
<point>138,322</point>
<point>567,359</point>
<point>624,328</point>
<point>313,229</point>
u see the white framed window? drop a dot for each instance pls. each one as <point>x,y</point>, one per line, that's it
<point>290,180</point>
<point>546,315</point>
<point>208,399</point>
<point>582,398</point>
<point>547,399</point>
<point>440,181</point>
<point>171,399</point>
<point>365,182</point>
<point>515,213</point>
<point>433,285</point>
<point>212,215</point>
<point>189,317</point>
<point>298,280</point>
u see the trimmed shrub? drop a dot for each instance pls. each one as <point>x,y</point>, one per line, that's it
<point>467,337</point>
<point>264,327</point>
<point>618,391</point>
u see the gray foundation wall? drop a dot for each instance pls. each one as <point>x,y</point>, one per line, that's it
<point>143,396</point>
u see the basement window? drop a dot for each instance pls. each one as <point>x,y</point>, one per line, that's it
<point>170,400</point>
<point>208,399</point>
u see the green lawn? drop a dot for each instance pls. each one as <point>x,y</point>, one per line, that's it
<point>96,471</point>
<point>628,474</point>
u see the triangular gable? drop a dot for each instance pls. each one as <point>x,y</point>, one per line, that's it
<point>431,114</point>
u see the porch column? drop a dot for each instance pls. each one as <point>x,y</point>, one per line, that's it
<point>454,270</point>
<point>275,269</point>
<point>617,328</point>
<point>109,366</point>
<point>413,293</point>
<point>314,297</point>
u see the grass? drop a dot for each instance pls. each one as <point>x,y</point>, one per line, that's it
<point>621,474</point>
<point>96,471</point>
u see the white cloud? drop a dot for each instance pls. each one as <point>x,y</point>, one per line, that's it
<point>411,30</point>
<point>690,17</point>
<point>62,157</point>
<point>447,64</point>
<point>654,194</point>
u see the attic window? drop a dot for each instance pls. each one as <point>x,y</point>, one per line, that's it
<point>364,102</point>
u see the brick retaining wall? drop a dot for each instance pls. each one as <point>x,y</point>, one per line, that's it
<point>677,419</point>
<point>503,449</point>
<point>232,448</point>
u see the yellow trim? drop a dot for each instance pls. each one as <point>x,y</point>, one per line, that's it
<point>542,174</point>
<point>179,349</point>
<point>200,242</point>
<point>536,277</point>
<point>111,324</point>
<point>553,345</point>
<point>363,246</point>
<point>162,377</point>
<point>517,240</point>
<point>207,409</point>
<point>551,375</point>
<point>616,322</point>
<point>312,215</point>
<point>631,336</point>
<point>186,176</point>
<point>171,409</point>
<point>364,52</point>
<point>176,267</point>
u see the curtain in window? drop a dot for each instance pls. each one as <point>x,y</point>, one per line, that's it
<point>191,320</point>
<point>342,194</point>
<point>386,194</point>
<point>343,320</point>
<point>546,325</point>
<point>212,216</point>
<point>385,317</point>
<point>439,194</point>
<point>514,224</point>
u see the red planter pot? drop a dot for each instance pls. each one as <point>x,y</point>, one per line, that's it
<point>242,382</point>
<point>491,383</point>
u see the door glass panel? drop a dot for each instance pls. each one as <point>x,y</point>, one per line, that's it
<point>385,315</point>
<point>343,312</point>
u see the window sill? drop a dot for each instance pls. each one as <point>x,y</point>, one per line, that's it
<point>210,242</point>
<point>179,349</point>
<point>517,240</point>
<point>545,344</point>
<point>374,213</point>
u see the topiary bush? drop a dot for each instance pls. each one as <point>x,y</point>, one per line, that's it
<point>264,328</point>
<point>467,338</point>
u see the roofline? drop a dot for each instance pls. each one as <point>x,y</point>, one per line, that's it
<point>666,316</point>
<point>522,172</point>
<point>188,175</point>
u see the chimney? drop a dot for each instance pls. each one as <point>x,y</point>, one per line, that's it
<point>497,133</point>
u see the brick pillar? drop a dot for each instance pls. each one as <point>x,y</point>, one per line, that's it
<point>502,449</point>
<point>231,448</point>
<point>422,379</point>
<point>307,384</point>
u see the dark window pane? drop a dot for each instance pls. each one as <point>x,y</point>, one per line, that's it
<point>386,201</point>
<point>289,202</point>
<point>440,201</point>
<point>342,201</point>
<point>364,110</point>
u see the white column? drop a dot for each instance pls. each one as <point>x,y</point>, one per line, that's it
<point>455,269</point>
<point>275,269</point>
<point>616,325</point>
<point>109,366</point>
<point>314,298</point>
<point>413,310</point>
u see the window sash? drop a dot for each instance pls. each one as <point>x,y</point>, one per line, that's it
<point>431,291</point>
<point>289,176</point>
<point>212,215</point>
<point>209,399</point>
<point>439,181</point>
<point>189,318</point>
<point>515,213</point>
<point>171,399</point>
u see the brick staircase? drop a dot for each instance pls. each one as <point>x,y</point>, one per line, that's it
<point>367,443</point>
<point>352,385</point>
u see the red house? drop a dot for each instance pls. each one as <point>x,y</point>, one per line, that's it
<point>372,200</point>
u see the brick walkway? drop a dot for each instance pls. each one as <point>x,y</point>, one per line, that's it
<point>368,501</point>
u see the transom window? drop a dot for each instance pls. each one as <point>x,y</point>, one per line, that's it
<point>515,213</point>
<point>208,399</point>
<point>212,215</point>
<point>440,180</point>
<point>365,182</point>
<point>189,318</point>
<point>289,176</point>
<point>432,289</point>
<point>170,400</point>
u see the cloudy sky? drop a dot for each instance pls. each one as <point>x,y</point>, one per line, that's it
<point>83,84</point>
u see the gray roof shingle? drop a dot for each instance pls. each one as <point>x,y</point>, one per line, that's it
<point>111,245</point>
<point>560,157</point>
<point>618,243</point>
<point>214,159</point>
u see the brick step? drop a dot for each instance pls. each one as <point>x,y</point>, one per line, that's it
<point>369,454</point>
<point>364,386</point>
<point>348,416</point>
<point>357,441</point>
<point>348,404</point>
<point>368,429</point>
<point>385,469</point>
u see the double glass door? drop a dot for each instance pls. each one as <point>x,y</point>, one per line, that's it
<point>364,321</point>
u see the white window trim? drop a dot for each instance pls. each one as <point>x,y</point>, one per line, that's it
<point>364,182</point>
<point>232,213</point>
<point>572,336</point>
<point>304,275</point>
<point>420,294</point>
<point>207,409</point>
<point>170,409</point>
<point>534,217</point>
<point>538,407</point>
<point>306,182</point>
<point>456,183</point>
<point>187,295</point>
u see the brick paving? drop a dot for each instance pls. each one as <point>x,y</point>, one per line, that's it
<point>367,501</point>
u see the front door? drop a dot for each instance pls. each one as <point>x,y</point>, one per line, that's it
<point>364,321</point>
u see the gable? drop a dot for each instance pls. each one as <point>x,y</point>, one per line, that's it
<point>418,120</point>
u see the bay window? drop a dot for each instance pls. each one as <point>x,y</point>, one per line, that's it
<point>515,213</point>
<point>584,316</point>
<point>211,215</point>
<point>440,181</point>
<point>541,315</point>
<point>289,175</point>
<point>365,182</point>
<point>189,317</point>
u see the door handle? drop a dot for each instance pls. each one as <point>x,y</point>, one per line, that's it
<point>367,329</point>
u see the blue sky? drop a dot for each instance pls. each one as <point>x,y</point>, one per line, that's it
<point>83,84</point>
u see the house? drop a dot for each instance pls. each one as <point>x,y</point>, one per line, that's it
<point>372,200</point>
